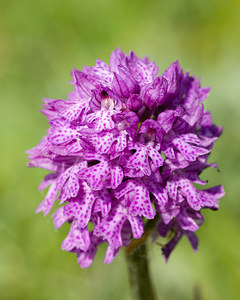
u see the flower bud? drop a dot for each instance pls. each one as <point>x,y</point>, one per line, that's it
<point>124,84</point>
<point>154,93</point>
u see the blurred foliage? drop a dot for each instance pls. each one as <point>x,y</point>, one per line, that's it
<point>40,42</point>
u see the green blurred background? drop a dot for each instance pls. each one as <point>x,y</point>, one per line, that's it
<point>40,42</point>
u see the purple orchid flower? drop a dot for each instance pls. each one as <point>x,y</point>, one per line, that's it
<point>124,148</point>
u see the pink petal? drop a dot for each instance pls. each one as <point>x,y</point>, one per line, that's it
<point>77,238</point>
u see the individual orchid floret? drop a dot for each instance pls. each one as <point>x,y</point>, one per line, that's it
<point>126,150</point>
<point>154,94</point>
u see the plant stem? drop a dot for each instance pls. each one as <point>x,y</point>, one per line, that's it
<point>140,281</point>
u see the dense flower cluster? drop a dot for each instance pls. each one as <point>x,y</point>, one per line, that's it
<point>124,148</point>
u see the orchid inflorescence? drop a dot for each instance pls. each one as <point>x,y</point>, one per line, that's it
<point>125,148</point>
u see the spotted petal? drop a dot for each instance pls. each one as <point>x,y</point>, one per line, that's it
<point>77,238</point>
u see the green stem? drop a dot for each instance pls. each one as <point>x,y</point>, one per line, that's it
<point>140,281</point>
